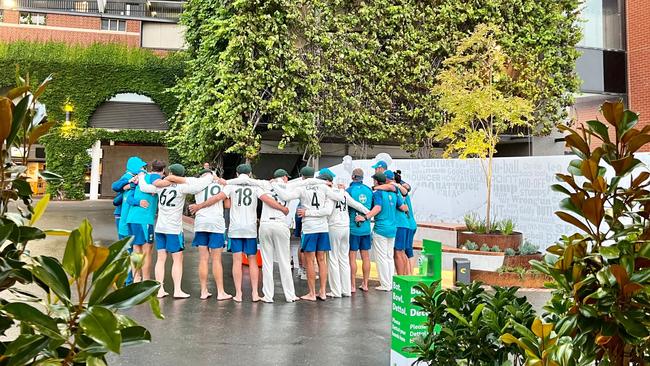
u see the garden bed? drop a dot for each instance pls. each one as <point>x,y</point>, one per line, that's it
<point>512,241</point>
<point>504,279</point>
<point>521,260</point>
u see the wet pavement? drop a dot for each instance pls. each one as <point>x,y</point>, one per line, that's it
<point>348,331</point>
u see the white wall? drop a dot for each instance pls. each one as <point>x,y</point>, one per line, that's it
<point>446,189</point>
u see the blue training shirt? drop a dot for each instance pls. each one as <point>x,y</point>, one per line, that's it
<point>362,194</point>
<point>386,219</point>
<point>139,214</point>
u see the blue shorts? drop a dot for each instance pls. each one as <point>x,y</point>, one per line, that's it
<point>210,240</point>
<point>360,242</point>
<point>172,243</point>
<point>117,226</point>
<point>245,245</point>
<point>142,233</point>
<point>409,243</point>
<point>317,242</point>
<point>402,238</point>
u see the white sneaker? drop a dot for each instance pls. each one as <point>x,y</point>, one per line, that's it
<point>267,300</point>
<point>381,288</point>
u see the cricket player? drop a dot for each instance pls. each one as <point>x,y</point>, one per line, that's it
<point>380,167</point>
<point>403,229</point>
<point>314,210</point>
<point>339,232</point>
<point>244,193</point>
<point>209,235</point>
<point>141,218</point>
<point>275,238</point>
<point>169,227</point>
<point>360,231</point>
<point>384,210</point>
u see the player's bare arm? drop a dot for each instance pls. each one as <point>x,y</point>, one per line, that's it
<point>374,212</point>
<point>207,203</point>
<point>275,204</point>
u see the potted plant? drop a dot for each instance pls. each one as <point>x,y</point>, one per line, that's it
<point>475,92</point>
<point>522,256</point>
<point>501,234</point>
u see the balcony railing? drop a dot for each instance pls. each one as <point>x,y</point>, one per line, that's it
<point>168,10</point>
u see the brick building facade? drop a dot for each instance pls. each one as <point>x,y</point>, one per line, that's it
<point>638,57</point>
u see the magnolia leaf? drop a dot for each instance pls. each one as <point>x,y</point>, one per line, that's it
<point>100,324</point>
<point>39,131</point>
<point>95,257</point>
<point>613,112</point>
<point>6,117</point>
<point>39,209</point>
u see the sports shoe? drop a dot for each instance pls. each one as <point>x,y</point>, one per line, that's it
<point>381,288</point>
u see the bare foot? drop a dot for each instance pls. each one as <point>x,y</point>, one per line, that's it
<point>181,295</point>
<point>353,290</point>
<point>237,298</point>
<point>364,288</point>
<point>256,298</point>
<point>224,296</point>
<point>205,295</point>
<point>162,293</point>
<point>308,297</point>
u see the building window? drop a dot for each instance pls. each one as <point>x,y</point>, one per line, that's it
<point>2,15</point>
<point>33,18</point>
<point>114,25</point>
<point>603,24</point>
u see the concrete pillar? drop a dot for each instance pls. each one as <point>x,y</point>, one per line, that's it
<point>96,155</point>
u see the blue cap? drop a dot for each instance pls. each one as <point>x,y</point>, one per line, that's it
<point>327,171</point>
<point>380,164</point>
<point>135,165</point>
<point>389,175</point>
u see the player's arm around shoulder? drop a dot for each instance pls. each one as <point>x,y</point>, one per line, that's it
<point>356,204</point>
<point>145,186</point>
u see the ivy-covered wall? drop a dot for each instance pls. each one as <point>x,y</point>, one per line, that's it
<point>87,77</point>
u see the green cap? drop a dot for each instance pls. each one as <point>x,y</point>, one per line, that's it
<point>326,176</point>
<point>204,171</point>
<point>280,173</point>
<point>244,169</point>
<point>379,177</point>
<point>307,172</point>
<point>177,169</point>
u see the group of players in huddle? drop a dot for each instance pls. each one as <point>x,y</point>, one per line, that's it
<point>335,223</point>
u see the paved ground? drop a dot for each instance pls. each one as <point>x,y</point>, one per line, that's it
<point>354,331</point>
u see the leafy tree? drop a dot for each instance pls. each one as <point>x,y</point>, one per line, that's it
<point>358,71</point>
<point>475,92</point>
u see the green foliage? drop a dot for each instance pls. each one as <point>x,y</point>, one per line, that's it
<point>495,249</point>
<point>87,77</point>
<point>470,245</point>
<point>485,248</point>
<point>600,307</point>
<point>476,92</point>
<point>66,150</point>
<point>63,327</point>
<point>528,248</point>
<point>506,227</point>
<point>360,71</point>
<point>471,321</point>
<point>510,252</point>
<point>475,224</point>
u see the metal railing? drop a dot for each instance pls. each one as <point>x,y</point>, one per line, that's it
<point>167,10</point>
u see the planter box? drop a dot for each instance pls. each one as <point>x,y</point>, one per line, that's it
<point>512,241</point>
<point>509,279</point>
<point>444,233</point>
<point>486,261</point>
<point>521,260</point>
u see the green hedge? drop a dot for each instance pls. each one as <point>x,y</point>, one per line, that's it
<point>87,77</point>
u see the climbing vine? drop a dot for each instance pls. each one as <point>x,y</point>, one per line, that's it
<point>85,77</point>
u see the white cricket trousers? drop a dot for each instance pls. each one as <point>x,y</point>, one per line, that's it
<point>384,248</point>
<point>274,240</point>
<point>338,274</point>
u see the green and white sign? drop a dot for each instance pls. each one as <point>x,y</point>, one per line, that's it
<point>409,320</point>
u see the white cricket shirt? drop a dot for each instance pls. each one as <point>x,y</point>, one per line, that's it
<point>243,207</point>
<point>171,201</point>
<point>210,219</point>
